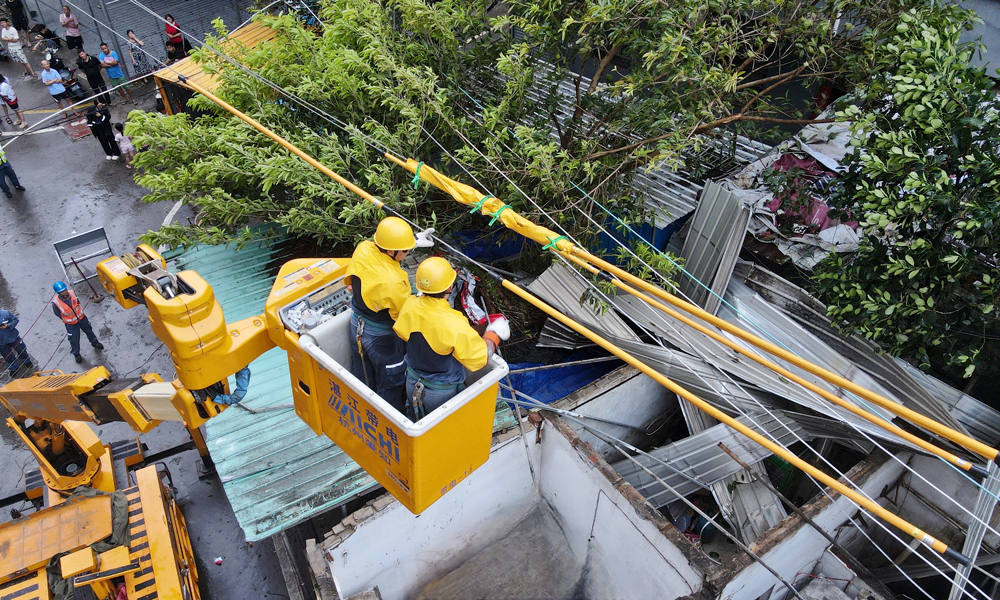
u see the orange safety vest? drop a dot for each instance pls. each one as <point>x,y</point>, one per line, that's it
<point>71,313</point>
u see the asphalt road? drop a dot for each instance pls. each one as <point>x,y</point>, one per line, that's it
<point>72,188</point>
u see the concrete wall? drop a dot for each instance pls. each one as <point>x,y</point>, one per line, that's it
<point>627,553</point>
<point>626,396</point>
<point>401,552</point>
<point>941,487</point>
<point>794,546</point>
<point>626,549</point>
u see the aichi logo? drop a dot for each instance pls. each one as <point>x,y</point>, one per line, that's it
<point>364,424</point>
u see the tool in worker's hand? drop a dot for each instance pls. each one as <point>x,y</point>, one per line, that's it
<point>425,238</point>
<point>500,326</point>
<point>97,297</point>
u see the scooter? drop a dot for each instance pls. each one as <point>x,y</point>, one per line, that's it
<point>68,76</point>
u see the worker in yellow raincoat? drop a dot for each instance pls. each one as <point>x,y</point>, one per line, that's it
<point>379,287</point>
<point>440,343</point>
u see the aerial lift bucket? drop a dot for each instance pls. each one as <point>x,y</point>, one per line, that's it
<point>416,462</point>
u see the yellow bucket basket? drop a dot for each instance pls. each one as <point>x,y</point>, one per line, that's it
<point>416,462</point>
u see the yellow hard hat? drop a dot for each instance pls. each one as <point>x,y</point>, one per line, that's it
<point>435,275</point>
<point>394,233</point>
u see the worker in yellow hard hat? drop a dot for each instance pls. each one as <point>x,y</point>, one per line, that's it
<point>440,343</point>
<point>379,287</point>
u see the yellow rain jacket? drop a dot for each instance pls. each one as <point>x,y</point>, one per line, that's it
<point>384,284</point>
<point>439,339</point>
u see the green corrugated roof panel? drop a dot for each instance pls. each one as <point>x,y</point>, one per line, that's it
<point>276,472</point>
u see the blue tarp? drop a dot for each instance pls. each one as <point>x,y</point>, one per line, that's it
<point>549,385</point>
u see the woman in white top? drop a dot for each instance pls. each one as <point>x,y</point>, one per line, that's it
<point>13,39</point>
<point>10,99</point>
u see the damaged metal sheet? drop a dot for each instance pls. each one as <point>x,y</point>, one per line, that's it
<point>712,245</point>
<point>696,462</point>
<point>690,370</point>
<point>981,421</point>
<point>809,313</point>
<point>564,288</point>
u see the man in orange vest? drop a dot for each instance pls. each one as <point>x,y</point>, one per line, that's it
<point>67,307</point>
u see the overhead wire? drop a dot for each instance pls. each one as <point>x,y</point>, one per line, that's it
<point>878,421</point>
<point>784,425</point>
<point>606,436</point>
<point>738,410</point>
<point>350,130</point>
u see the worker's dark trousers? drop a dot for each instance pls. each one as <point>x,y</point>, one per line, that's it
<point>7,171</point>
<point>381,367</point>
<point>15,355</point>
<point>108,142</point>
<point>73,332</point>
<point>433,395</point>
<point>98,86</point>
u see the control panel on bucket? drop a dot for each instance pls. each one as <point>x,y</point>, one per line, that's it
<point>316,308</point>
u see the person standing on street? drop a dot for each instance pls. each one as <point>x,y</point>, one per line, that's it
<point>173,29</point>
<point>14,49</point>
<point>18,19</point>
<point>7,171</point>
<point>116,75</point>
<point>99,121</point>
<point>91,67</point>
<point>124,144</point>
<point>10,99</point>
<point>54,81</point>
<point>72,25</point>
<point>67,307</point>
<point>141,65</point>
<point>15,354</point>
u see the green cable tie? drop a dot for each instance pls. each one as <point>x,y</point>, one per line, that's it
<point>554,243</point>
<point>479,205</point>
<point>496,215</point>
<point>416,176</point>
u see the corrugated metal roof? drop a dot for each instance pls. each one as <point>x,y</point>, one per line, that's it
<point>276,472</point>
<point>712,245</point>
<point>697,461</point>
<point>564,288</point>
<point>810,314</point>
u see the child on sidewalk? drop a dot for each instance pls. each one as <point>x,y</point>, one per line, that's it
<point>124,144</point>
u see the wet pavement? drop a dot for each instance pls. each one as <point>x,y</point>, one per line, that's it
<point>72,188</point>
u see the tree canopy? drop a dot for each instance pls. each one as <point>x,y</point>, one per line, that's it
<point>925,185</point>
<point>548,105</point>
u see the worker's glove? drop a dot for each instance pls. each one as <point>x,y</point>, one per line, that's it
<point>424,239</point>
<point>501,327</point>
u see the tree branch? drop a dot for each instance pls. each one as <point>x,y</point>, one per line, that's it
<point>776,120</point>
<point>599,73</point>
<point>785,79</point>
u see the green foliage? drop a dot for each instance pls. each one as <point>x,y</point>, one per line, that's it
<point>450,84</point>
<point>924,184</point>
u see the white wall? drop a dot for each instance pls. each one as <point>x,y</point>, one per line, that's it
<point>623,554</point>
<point>626,555</point>
<point>625,395</point>
<point>800,550</point>
<point>401,552</point>
<point>941,486</point>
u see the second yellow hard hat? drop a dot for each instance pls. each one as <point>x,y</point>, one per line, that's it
<point>435,275</point>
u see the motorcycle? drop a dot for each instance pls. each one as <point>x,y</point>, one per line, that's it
<point>68,76</point>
